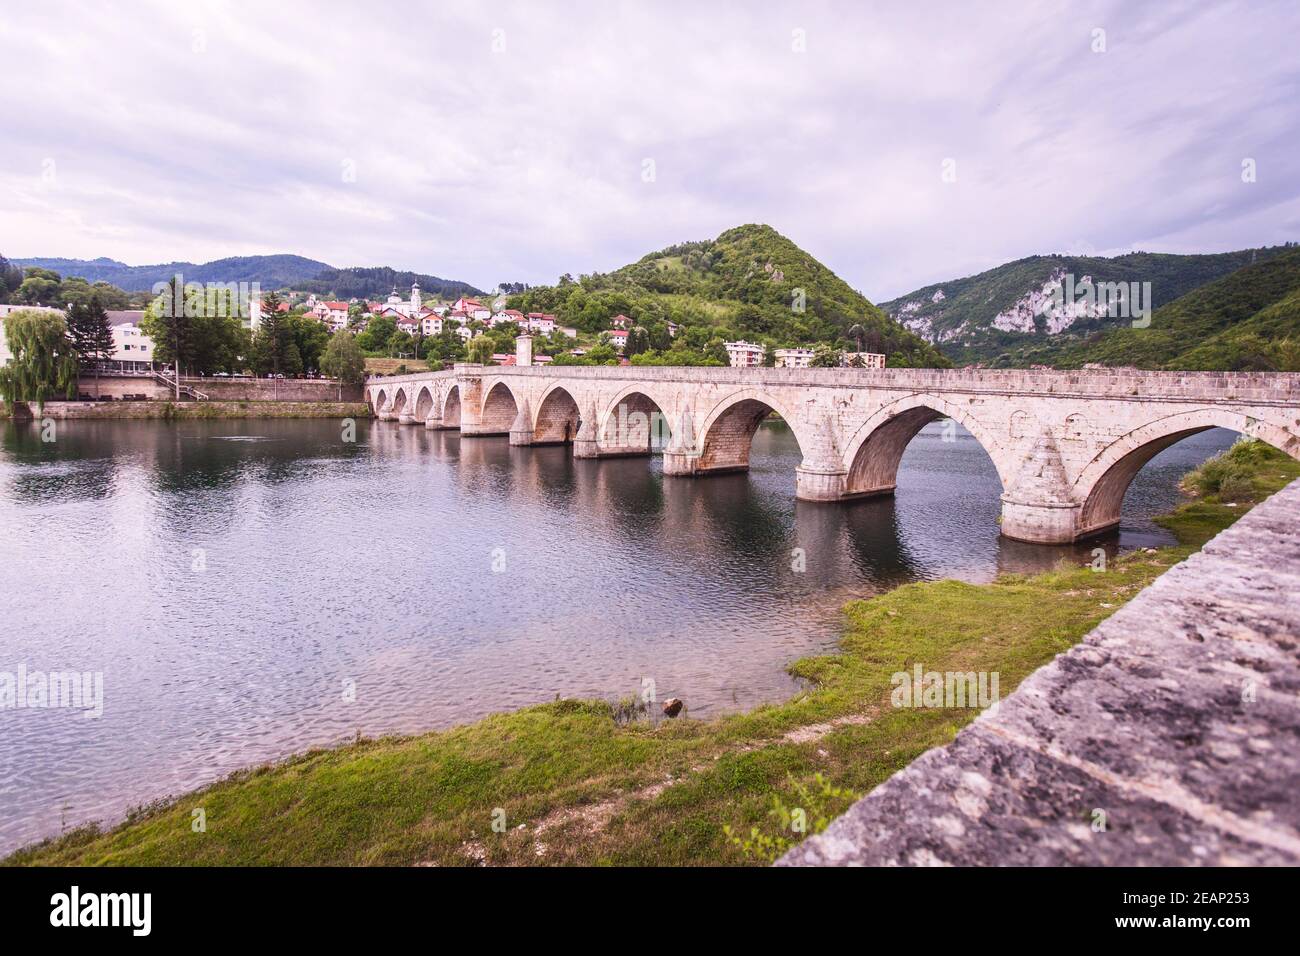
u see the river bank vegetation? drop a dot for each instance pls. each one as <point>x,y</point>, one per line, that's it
<point>595,782</point>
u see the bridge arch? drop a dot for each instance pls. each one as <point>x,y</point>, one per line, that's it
<point>399,400</point>
<point>635,422</point>
<point>424,403</point>
<point>727,434</point>
<point>1102,484</point>
<point>557,418</point>
<point>876,449</point>
<point>498,410</point>
<point>451,407</point>
<point>380,400</point>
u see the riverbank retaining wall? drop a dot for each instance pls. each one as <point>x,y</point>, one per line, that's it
<point>197,410</point>
<point>224,389</point>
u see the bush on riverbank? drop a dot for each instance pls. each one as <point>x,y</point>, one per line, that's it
<point>1232,475</point>
<point>588,790</point>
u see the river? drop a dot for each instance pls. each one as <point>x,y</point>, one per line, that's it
<point>252,588</point>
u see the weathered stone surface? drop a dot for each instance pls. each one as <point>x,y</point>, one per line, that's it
<point>1178,718</point>
<point>1065,444</point>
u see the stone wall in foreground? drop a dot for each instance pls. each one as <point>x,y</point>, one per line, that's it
<point>1178,718</point>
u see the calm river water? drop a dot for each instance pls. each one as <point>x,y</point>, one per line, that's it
<point>252,588</point>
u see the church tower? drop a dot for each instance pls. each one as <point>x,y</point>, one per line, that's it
<point>415,299</point>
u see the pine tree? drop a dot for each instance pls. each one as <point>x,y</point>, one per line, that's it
<point>91,334</point>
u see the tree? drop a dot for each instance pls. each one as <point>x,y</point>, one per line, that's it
<point>171,329</point>
<point>11,277</point>
<point>343,359</point>
<point>378,331</point>
<point>311,337</point>
<point>824,356</point>
<point>43,363</point>
<point>197,329</point>
<point>858,334</point>
<point>40,287</point>
<point>91,334</point>
<point>480,350</point>
<point>446,346</point>
<point>638,341</point>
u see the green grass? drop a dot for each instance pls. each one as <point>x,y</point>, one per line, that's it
<point>592,790</point>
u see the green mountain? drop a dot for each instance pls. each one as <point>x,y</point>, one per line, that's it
<point>370,283</point>
<point>1248,320</point>
<point>271,272</point>
<point>750,283</point>
<point>1008,316</point>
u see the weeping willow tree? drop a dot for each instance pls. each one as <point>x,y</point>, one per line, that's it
<point>43,364</point>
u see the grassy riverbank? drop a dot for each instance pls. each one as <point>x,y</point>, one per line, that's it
<point>187,411</point>
<point>584,782</point>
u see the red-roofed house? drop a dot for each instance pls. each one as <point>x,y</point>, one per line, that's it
<point>509,315</point>
<point>618,339</point>
<point>540,322</point>
<point>473,308</point>
<point>620,321</point>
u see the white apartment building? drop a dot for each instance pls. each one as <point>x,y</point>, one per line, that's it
<point>132,349</point>
<point>744,354</point>
<point>794,358</point>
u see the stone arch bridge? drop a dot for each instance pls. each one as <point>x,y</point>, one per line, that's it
<point>1065,444</point>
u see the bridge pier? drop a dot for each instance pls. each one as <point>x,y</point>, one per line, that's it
<point>1043,523</point>
<point>405,418</point>
<point>820,483</point>
<point>521,429</point>
<point>1038,507</point>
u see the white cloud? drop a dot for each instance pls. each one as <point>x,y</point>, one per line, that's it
<point>180,132</point>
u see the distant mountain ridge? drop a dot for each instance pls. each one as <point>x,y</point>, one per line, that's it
<point>1006,316</point>
<point>271,272</point>
<point>1248,320</point>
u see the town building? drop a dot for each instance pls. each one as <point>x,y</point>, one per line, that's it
<point>333,314</point>
<point>541,322</point>
<point>132,349</point>
<point>618,339</point>
<point>473,308</point>
<point>794,358</point>
<point>510,315</point>
<point>620,321</point>
<point>868,359</point>
<point>744,354</point>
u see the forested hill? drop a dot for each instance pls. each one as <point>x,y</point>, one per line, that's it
<point>270,272</point>
<point>999,317</point>
<point>359,282</point>
<point>750,283</point>
<point>1248,320</point>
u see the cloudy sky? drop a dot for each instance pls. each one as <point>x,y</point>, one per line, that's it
<point>515,142</point>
